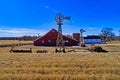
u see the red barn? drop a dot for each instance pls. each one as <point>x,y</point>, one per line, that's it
<point>50,38</point>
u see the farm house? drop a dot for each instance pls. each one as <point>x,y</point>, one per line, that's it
<point>93,40</point>
<point>50,38</point>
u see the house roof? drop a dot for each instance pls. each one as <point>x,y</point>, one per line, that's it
<point>92,37</point>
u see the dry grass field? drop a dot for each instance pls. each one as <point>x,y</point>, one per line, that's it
<point>78,65</point>
<point>3,42</point>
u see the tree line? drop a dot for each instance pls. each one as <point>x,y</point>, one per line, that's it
<point>20,38</point>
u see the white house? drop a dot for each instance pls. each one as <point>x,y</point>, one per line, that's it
<point>93,40</point>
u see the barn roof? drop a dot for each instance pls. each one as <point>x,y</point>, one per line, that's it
<point>51,32</point>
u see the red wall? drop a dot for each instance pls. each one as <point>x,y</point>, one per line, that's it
<point>76,36</point>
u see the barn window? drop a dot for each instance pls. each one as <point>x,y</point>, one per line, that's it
<point>43,41</point>
<point>66,41</point>
<point>49,40</point>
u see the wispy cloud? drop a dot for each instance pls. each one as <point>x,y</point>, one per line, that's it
<point>20,32</point>
<point>52,9</point>
<point>91,28</point>
<point>46,6</point>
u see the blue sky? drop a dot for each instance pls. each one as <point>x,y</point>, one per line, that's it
<point>33,17</point>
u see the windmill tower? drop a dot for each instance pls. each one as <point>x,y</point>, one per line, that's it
<point>81,36</point>
<point>59,18</point>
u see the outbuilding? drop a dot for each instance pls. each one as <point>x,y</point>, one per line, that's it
<point>94,39</point>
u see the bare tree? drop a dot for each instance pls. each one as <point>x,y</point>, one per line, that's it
<point>107,34</point>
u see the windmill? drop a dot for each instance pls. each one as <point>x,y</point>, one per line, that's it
<point>81,36</point>
<point>59,18</point>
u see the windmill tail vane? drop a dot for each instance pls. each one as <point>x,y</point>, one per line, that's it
<point>67,18</point>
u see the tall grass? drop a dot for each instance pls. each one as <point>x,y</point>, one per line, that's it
<point>58,67</point>
<point>61,66</point>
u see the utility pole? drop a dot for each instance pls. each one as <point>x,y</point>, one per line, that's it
<point>119,35</point>
<point>59,18</point>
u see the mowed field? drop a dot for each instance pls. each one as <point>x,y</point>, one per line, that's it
<point>76,64</point>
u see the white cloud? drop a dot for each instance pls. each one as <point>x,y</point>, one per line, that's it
<point>20,32</point>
